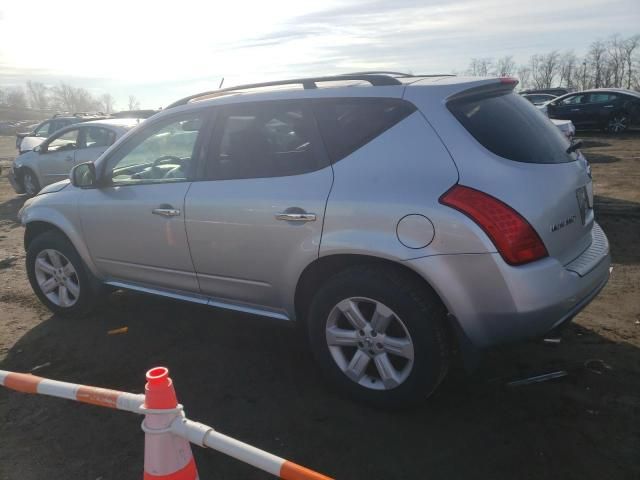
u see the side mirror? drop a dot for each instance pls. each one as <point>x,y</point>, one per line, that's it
<point>37,149</point>
<point>83,175</point>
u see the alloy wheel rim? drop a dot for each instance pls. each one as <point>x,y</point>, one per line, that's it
<point>29,184</point>
<point>369,343</point>
<point>618,124</point>
<point>57,278</point>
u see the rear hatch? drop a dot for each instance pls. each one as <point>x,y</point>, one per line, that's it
<point>512,151</point>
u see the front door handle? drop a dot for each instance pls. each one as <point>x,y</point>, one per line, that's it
<point>297,217</point>
<point>166,212</point>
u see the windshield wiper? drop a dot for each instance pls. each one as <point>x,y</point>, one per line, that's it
<point>574,146</point>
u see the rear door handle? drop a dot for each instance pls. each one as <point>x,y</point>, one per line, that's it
<point>68,158</point>
<point>297,217</point>
<point>166,212</point>
<point>575,109</point>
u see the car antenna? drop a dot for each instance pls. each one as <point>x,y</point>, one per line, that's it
<point>221,82</point>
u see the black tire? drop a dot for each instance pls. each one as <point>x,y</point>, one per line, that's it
<point>29,182</point>
<point>418,307</point>
<point>617,123</point>
<point>89,288</point>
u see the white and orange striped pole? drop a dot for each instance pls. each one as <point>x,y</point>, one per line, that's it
<point>102,397</point>
<point>167,454</point>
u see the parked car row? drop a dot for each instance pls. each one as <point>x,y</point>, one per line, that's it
<point>401,221</point>
<point>28,140</point>
<point>51,160</point>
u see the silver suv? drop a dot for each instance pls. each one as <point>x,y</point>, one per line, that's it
<point>398,218</point>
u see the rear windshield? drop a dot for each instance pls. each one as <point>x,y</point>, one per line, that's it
<point>511,127</point>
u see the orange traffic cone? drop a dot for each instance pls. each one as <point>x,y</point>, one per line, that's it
<point>166,456</point>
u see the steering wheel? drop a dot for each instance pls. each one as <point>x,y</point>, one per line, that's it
<point>162,159</point>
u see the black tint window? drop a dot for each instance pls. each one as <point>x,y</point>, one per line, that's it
<point>509,126</point>
<point>270,139</point>
<point>98,137</point>
<point>601,97</point>
<point>347,124</point>
<point>574,100</point>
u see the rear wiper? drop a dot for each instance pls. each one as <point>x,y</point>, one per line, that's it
<point>574,146</point>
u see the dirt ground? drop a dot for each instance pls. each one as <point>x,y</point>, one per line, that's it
<point>254,379</point>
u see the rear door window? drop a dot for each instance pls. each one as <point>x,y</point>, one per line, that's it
<point>601,97</point>
<point>98,137</point>
<point>265,139</point>
<point>511,127</point>
<point>347,124</point>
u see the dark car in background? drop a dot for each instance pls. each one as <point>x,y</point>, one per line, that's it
<point>556,92</point>
<point>610,109</point>
<point>538,98</point>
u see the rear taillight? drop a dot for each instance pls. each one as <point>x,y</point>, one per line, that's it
<point>515,239</point>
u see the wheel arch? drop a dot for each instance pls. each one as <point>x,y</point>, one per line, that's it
<point>323,268</point>
<point>49,220</point>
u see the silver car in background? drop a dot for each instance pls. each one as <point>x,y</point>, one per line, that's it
<point>399,218</point>
<point>52,159</point>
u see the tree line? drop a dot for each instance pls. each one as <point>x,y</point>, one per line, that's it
<point>60,98</point>
<point>610,63</point>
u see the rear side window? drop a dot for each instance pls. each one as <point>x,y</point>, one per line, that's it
<point>347,124</point>
<point>265,139</point>
<point>98,137</point>
<point>511,127</point>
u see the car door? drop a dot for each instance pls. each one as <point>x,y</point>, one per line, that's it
<point>95,141</point>
<point>255,220</point>
<point>569,108</point>
<point>133,223</point>
<point>600,107</point>
<point>57,156</point>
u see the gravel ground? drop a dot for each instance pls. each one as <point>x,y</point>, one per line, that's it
<point>254,379</point>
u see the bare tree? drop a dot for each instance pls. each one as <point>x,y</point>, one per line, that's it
<point>597,60</point>
<point>544,69</point>
<point>505,66</point>
<point>616,61</point>
<point>107,103</point>
<point>629,46</point>
<point>134,104</point>
<point>583,76</point>
<point>524,75</point>
<point>567,69</point>
<point>480,67</point>
<point>548,68</point>
<point>16,98</point>
<point>74,99</point>
<point>38,95</point>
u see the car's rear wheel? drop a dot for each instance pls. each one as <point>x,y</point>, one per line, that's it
<point>59,277</point>
<point>30,182</point>
<point>618,123</point>
<point>380,336</point>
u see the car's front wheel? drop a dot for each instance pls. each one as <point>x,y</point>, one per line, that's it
<point>59,277</point>
<point>380,336</point>
<point>30,182</point>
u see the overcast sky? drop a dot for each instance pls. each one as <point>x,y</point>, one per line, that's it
<point>160,51</point>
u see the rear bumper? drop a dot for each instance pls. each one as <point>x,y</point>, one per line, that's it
<point>495,303</point>
<point>14,182</point>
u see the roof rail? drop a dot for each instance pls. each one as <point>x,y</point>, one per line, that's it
<point>375,79</point>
